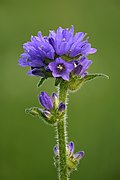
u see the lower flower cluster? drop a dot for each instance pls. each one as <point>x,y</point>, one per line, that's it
<point>73,159</point>
<point>52,111</point>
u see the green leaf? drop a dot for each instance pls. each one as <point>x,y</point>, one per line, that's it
<point>76,82</point>
<point>89,77</point>
<point>41,81</point>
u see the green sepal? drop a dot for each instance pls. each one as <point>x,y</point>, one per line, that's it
<point>76,82</point>
<point>58,81</point>
<point>34,111</point>
<point>41,81</point>
<point>72,165</point>
<point>50,119</point>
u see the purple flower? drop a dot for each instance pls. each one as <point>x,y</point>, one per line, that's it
<point>61,68</point>
<point>66,43</point>
<point>70,151</point>
<point>76,156</point>
<point>62,40</point>
<point>81,66</point>
<point>36,52</point>
<point>46,100</point>
<point>52,55</point>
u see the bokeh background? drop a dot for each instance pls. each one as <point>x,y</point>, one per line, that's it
<point>26,143</point>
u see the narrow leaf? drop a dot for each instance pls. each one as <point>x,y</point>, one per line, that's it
<point>89,77</point>
<point>41,82</point>
<point>57,81</point>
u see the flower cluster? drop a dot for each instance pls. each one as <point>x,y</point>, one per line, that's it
<point>58,54</point>
<point>72,159</point>
<point>51,105</point>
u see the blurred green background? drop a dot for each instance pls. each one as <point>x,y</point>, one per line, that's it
<point>26,143</point>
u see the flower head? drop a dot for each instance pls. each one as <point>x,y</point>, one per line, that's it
<point>61,40</point>
<point>66,43</point>
<point>51,56</point>
<point>61,68</point>
<point>36,51</point>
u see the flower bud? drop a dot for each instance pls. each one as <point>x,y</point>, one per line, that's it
<point>45,100</point>
<point>47,114</point>
<point>61,107</point>
<point>55,100</point>
<point>56,150</point>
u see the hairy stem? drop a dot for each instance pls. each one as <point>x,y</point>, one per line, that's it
<point>62,134</point>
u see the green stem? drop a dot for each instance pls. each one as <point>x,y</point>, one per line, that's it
<point>62,134</point>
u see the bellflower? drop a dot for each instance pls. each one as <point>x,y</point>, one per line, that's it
<point>61,68</point>
<point>70,150</point>
<point>35,54</point>
<point>61,55</point>
<point>81,66</point>
<point>50,55</point>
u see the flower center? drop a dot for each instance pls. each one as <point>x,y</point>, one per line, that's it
<point>60,67</point>
<point>63,39</point>
<point>75,65</point>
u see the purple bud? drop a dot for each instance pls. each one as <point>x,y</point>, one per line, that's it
<point>78,69</point>
<point>47,114</point>
<point>45,100</point>
<point>79,155</point>
<point>55,99</point>
<point>56,150</point>
<point>61,107</point>
<point>70,147</point>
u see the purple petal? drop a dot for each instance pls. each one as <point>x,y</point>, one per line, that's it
<point>70,147</point>
<point>65,76</point>
<point>23,62</point>
<point>92,50</point>
<point>36,72</point>
<point>56,150</point>
<point>79,155</point>
<point>46,100</point>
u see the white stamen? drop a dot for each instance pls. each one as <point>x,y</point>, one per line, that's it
<point>40,47</point>
<point>59,67</point>
<point>63,39</point>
